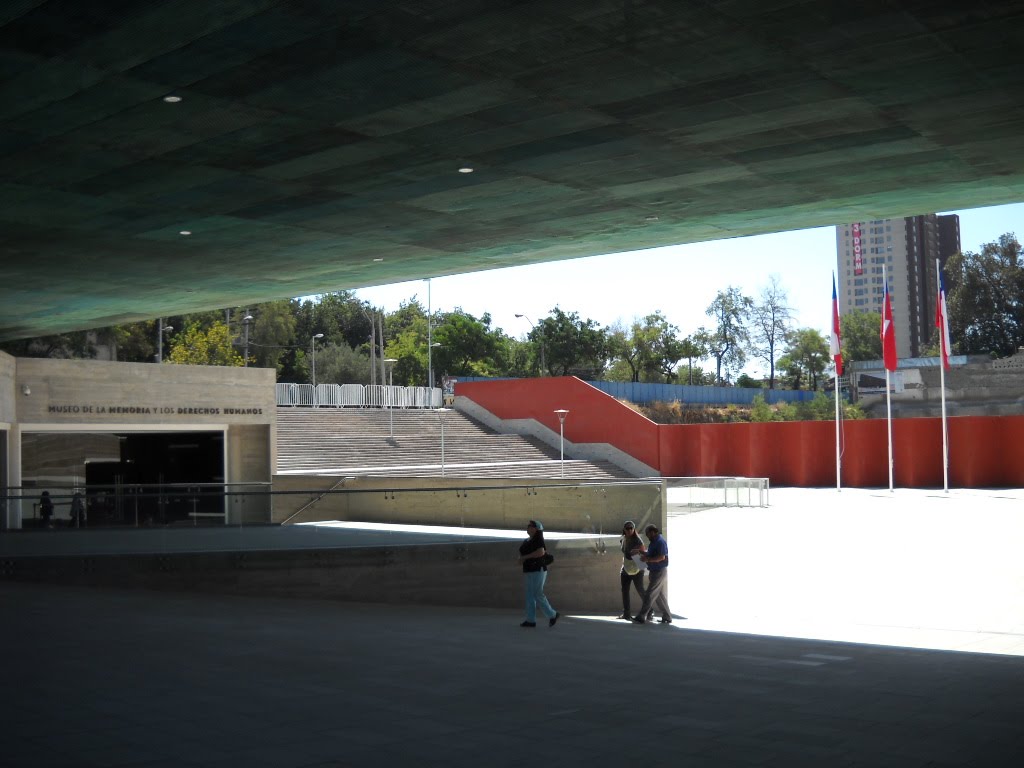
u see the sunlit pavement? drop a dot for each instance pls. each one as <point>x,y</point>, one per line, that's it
<point>912,568</point>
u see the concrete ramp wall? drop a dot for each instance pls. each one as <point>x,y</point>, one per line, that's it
<point>480,573</point>
<point>482,503</point>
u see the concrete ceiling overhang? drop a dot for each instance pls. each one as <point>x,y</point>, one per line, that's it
<point>316,137</point>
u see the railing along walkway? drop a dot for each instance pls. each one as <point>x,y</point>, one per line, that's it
<point>357,396</point>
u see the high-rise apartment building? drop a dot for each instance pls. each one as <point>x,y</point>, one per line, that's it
<point>907,250</point>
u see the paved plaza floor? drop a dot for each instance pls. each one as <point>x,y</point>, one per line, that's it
<point>914,568</point>
<point>817,633</point>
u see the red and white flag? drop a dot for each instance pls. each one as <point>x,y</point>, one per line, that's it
<point>942,323</point>
<point>888,334</point>
<point>836,345</point>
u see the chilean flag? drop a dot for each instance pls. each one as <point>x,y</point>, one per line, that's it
<point>836,346</point>
<point>942,323</point>
<point>888,334</point>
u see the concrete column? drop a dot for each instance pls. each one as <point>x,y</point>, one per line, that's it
<point>14,507</point>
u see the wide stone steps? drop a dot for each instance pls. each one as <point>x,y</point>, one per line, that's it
<point>407,443</point>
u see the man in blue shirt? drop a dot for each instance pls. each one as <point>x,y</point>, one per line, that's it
<point>656,558</point>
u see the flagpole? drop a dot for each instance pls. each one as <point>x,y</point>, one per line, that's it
<point>888,390</point>
<point>942,382</point>
<point>888,419</point>
<point>836,349</point>
<point>838,459</point>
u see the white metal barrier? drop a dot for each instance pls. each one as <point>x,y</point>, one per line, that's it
<point>357,396</point>
<point>718,491</point>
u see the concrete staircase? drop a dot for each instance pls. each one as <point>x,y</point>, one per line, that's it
<point>359,442</point>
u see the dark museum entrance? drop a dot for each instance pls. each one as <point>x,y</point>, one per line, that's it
<point>130,478</point>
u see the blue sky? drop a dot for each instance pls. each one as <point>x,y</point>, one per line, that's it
<point>679,280</point>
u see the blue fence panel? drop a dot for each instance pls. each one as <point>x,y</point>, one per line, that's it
<point>643,393</point>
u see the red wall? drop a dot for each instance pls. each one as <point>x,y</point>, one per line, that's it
<point>594,417</point>
<point>984,451</point>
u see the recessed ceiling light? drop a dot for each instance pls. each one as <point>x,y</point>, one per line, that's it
<point>465,169</point>
<point>378,259</point>
<point>185,232</point>
<point>172,99</point>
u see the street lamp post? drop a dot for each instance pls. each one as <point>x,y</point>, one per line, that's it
<point>430,363</point>
<point>247,321</point>
<point>561,413</point>
<point>161,329</point>
<point>543,366</point>
<point>313,369</point>
<point>390,393</point>
<point>430,341</point>
<point>440,417</point>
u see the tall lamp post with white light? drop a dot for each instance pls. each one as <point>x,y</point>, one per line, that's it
<point>390,393</point>
<point>440,417</point>
<point>247,321</point>
<point>543,366</point>
<point>561,413</point>
<point>313,368</point>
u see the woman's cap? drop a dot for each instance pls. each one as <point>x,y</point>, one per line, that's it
<point>629,524</point>
<point>536,524</point>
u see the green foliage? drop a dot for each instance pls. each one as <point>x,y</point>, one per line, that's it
<point>650,349</point>
<point>133,342</point>
<point>787,412</point>
<point>340,364</point>
<point>469,347</point>
<point>806,358</point>
<point>271,334</point>
<point>743,380</point>
<point>986,300</point>
<point>821,408</point>
<point>760,411</point>
<point>573,347</point>
<point>63,345</point>
<point>197,345</point>
<point>339,316</point>
<point>860,336</point>
<point>692,349</point>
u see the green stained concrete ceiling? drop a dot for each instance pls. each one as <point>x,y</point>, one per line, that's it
<point>315,136</point>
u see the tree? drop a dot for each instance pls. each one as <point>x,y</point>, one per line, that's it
<point>468,346</point>
<point>806,357</point>
<point>860,336</point>
<point>625,364</point>
<point>986,303</point>
<point>134,342</point>
<point>271,334</point>
<point>409,348</point>
<point>728,341</point>
<point>76,344</point>
<point>651,348</point>
<point>574,347</point>
<point>338,315</point>
<point>204,346</point>
<point>770,322</point>
<point>340,364</point>
<point>692,349</point>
